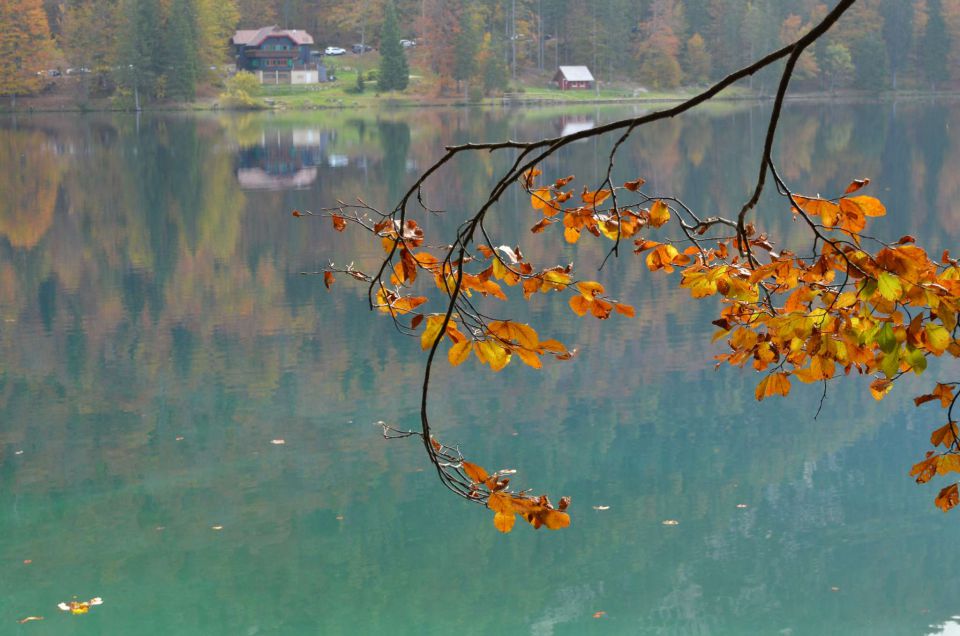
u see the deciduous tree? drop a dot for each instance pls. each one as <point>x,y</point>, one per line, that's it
<point>25,46</point>
<point>847,304</point>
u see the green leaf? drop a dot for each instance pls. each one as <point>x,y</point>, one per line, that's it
<point>891,363</point>
<point>886,338</point>
<point>889,286</point>
<point>916,360</point>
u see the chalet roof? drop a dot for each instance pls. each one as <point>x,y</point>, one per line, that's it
<point>576,73</point>
<point>255,37</point>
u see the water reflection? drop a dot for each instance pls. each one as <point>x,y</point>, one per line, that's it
<point>157,334</point>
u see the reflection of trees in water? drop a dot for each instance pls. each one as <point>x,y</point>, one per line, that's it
<point>29,181</point>
<point>169,299</point>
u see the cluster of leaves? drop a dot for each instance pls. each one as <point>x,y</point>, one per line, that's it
<point>840,309</point>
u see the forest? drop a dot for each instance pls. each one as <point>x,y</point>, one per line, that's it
<point>169,48</point>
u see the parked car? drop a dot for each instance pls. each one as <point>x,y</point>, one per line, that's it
<point>408,43</point>
<point>334,50</point>
<point>361,48</point>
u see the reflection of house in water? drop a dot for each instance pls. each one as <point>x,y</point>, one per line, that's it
<point>569,124</point>
<point>284,159</point>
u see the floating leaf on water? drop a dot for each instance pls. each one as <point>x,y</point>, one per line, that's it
<point>27,561</point>
<point>27,619</point>
<point>80,607</point>
<point>741,505</point>
<point>834,589</point>
<point>601,507</point>
<point>216,527</point>
<point>339,517</point>
<point>19,452</point>
<point>599,614</point>
<point>179,438</point>
<point>278,442</point>
<point>670,522</point>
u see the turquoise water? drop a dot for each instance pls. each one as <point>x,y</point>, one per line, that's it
<point>157,336</point>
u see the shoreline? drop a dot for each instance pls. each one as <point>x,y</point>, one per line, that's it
<point>29,105</point>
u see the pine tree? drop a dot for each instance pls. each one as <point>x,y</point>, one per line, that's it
<point>466,47</point>
<point>181,59</point>
<point>394,71</point>
<point>24,46</point>
<point>140,47</point>
<point>935,45</point>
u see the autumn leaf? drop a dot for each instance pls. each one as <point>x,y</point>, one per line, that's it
<point>855,185</point>
<point>773,384</point>
<point>948,498</point>
<point>946,435</point>
<point>659,213</point>
<point>504,521</point>
<point>339,223</point>
<point>880,387</point>
<point>459,352</point>
<point>634,185</point>
<point>328,279</point>
<point>476,473</point>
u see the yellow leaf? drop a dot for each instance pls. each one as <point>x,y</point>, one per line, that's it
<point>504,521</point>
<point>880,387</point>
<point>590,289</point>
<point>948,464</point>
<point>572,235</point>
<point>889,286</point>
<point>540,198</point>
<point>773,384</point>
<point>529,358</point>
<point>430,332</point>
<point>938,338</point>
<point>580,305</point>
<point>459,352</point>
<point>659,213</point>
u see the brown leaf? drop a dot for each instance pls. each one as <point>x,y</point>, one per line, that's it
<point>948,498</point>
<point>634,185</point>
<point>946,435</point>
<point>339,223</point>
<point>27,619</point>
<point>328,279</point>
<point>855,185</point>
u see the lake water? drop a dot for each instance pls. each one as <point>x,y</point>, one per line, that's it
<point>156,335</point>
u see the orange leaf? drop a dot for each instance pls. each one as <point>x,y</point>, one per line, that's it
<point>595,198</point>
<point>555,520</point>
<point>634,185</point>
<point>476,473</point>
<point>459,352</point>
<point>339,223</point>
<point>869,205</point>
<point>948,498</point>
<point>328,279</point>
<point>504,521</point>
<point>773,384</point>
<point>542,225</point>
<point>926,469</point>
<point>946,435</point>
<point>880,387</point>
<point>580,305</point>
<point>625,309</point>
<point>659,213</point>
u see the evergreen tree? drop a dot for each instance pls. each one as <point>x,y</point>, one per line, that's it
<point>935,46</point>
<point>466,47</point>
<point>394,71</point>
<point>870,62</point>
<point>140,47</point>
<point>181,59</point>
<point>495,74</point>
<point>897,35</point>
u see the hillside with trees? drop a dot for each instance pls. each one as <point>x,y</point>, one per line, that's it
<point>166,49</point>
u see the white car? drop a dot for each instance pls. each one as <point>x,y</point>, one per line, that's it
<point>408,43</point>
<point>334,50</point>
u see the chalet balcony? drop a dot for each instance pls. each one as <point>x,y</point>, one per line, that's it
<point>268,54</point>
